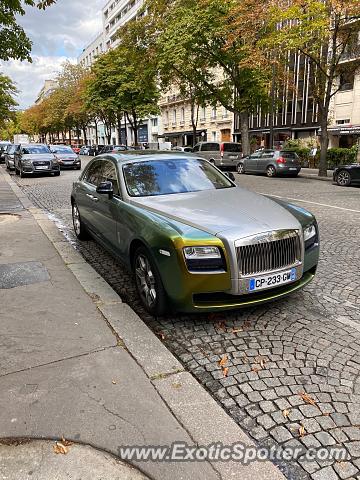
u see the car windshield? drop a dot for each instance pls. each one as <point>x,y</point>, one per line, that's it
<point>61,149</point>
<point>35,149</point>
<point>167,177</point>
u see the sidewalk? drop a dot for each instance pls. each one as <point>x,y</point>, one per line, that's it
<point>313,173</point>
<point>75,362</point>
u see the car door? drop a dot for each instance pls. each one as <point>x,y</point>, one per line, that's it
<point>265,159</point>
<point>251,163</point>
<point>107,214</point>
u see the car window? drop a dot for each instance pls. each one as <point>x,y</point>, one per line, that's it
<point>108,174</point>
<point>232,147</point>
<point>35,149</point>
<point>255,155</point>
<point>61,149</point>
<point>268,154</point>
<point>11,149</point>
<point>210,147</point>
<point>196,148</point>
<point>291,155</point>
<point>93,173</point>
<point>167,177</point>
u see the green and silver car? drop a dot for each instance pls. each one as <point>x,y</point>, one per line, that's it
<point>194,240</point>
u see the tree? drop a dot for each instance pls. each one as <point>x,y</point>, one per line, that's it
<point>326,33</point>
<point>14,42</point>
<point>7,100</point>
<point>193,46</point>
<point>11,127</point>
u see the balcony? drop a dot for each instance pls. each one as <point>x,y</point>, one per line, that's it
<point>351,54</point>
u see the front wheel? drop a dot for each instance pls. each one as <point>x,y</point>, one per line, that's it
<point>21,173</point>
<point>79,227</point>
<point>148,283</point>
<point>240,168</point>
<point>56,174</point>
<point>343,178</point>
<point>270,171</point>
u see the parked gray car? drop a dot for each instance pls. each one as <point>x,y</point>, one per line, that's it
<point>67,158</point>
<point>35,158</point>
<point>271,162</point>
<point>221,154</point>
<point>9,156</point>
<point>3,147</point>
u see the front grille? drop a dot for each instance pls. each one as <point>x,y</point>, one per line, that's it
<point>269,256</point>
<point>38,163</point>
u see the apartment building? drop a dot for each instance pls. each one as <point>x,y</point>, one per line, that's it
<point>116,13</point>
<point>212,123</point>
<point>47,89</point>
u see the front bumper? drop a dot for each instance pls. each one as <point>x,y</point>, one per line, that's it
<point>31,170</point>
<point>69,165</point>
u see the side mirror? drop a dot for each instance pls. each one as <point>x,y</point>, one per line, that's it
<point>230,175</point>
<point>105,188</point>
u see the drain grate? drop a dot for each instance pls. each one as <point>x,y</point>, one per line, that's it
<point>18,274</point>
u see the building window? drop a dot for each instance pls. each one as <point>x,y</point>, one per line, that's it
<point>182,115</point>
<point>343,122</point>
<point>346,81</point>
<point>203,113</point>
<point>214,136</point>
<point>213,113</point>
<point>154,122</point>
<point>174,116</point>
<point>167,118</point>
<point>225,113</point>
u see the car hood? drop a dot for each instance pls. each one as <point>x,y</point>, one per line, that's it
<point>64,156</point>
<point>236,211</point>
<point>39,157</point>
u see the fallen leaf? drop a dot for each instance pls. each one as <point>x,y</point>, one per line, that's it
<point>113,382</point>
<point>221,326</point>
<point>176,385</point>
<point>236,330</point>
<point>302,431</point>
<point>223,361</point>
<point>286,413</point>
<point>255,369</point>
<point>225,371</point>
<point>60,448</point>
<point>161,335</point>
<point>307,398</point>
<point>262,363</point>
<point>67,443</point>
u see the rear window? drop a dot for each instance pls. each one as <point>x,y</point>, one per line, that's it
<point>232,147</point>
<point>291,155</point>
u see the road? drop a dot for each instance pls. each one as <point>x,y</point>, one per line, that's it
<point>308,343</point>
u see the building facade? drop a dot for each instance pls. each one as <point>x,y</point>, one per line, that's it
<point>47,89</point>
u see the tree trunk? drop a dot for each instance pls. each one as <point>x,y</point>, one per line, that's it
<point>194,121</point>
<point>85,135</point>
<point>244,128</point>
<point>96,132</point>
<point>324,144</point>
<point>118,120</point>
<point>70,138</point>
<point>126,137</point>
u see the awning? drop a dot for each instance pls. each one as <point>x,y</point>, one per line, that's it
<point>182,133</point>
<point>350,130</point>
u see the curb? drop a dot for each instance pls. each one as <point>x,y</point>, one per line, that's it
<point>194,408</point>
<point>315,177</point>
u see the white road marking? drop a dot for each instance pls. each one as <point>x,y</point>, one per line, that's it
<point>312,203</point>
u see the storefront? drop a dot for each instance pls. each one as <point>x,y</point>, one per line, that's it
<point>183,139</point>
<point>344,137</point>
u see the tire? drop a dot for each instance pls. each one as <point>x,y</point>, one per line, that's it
<point>148,283</point>
<point>21,173</point>
<point>270,171</point>
<point>343,178</point>
<point>7,165</point>
<point>56,174</point>
<point>79,227</point>
<point>17,171</point>
<point>240,168</point>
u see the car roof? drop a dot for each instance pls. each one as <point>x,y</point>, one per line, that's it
<point>134,156</point>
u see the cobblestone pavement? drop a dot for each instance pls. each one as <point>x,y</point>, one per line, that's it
<point>293,366</point>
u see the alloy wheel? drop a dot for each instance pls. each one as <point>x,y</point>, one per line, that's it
<point>76,219</point>
<point>270,171</point>
<point>240,168</point>
<point>343,178</point>
<point>145,280</point>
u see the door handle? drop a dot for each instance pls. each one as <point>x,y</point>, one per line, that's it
<point>94,199</point>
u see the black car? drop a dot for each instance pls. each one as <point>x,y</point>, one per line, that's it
<point>3,147</point>
<point>345,175</point>
<point>35,158</point>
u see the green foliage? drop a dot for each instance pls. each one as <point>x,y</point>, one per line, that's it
<point>341,156</point>
<point>13,41</point>
<point>7,100</point>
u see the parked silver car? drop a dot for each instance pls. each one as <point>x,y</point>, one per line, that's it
<point>35,158</point>
<point>9,156</point>
<point>271,163</point>
<point>3,147</point>
<point>221,154</point>
<point>67,158</point>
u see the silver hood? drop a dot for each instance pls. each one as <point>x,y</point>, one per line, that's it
<point>236,212</point>
<point>45,157</point>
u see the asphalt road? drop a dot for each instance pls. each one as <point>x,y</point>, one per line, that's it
<point>308,343</point>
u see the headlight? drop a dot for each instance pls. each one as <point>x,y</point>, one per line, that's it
<point>55,162</point>
<point>310,235</point>
<point>27,163</point>
<point>205,258</point>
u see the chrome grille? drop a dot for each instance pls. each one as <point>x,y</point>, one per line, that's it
<point>39,163</point>
<point>269,255</point>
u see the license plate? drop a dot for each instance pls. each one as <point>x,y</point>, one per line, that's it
<point>292,168</point>
<point>42,167</point>
<point>272,280</point>
<point>234,156</point>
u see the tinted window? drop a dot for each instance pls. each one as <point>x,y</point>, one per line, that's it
<point>196,148</point>
<point>11,149</point>
<point>268,154</point>
<point>35,149</point>
<point>232,147</point>
<point>291,155</point>
<point>108,173</point>
<point>166,177</point>
<point>255,155</point>
<point>93,173</point>
<point>210,147</point>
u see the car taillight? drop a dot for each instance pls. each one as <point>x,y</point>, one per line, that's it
<point>281,160</point>
<point>222,149</point>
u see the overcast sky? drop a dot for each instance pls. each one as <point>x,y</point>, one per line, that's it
<point>58,33</point>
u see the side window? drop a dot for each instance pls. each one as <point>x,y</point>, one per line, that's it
<point>93,173</point>
<point>268,155</point>
<point>210,147</point>
<point>254,156</point>
<point>196,148</point>
<point>109,175</point>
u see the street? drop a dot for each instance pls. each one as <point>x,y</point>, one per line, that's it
<point>308,343</point>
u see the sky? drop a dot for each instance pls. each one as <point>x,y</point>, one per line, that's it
<point>58,33</point>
